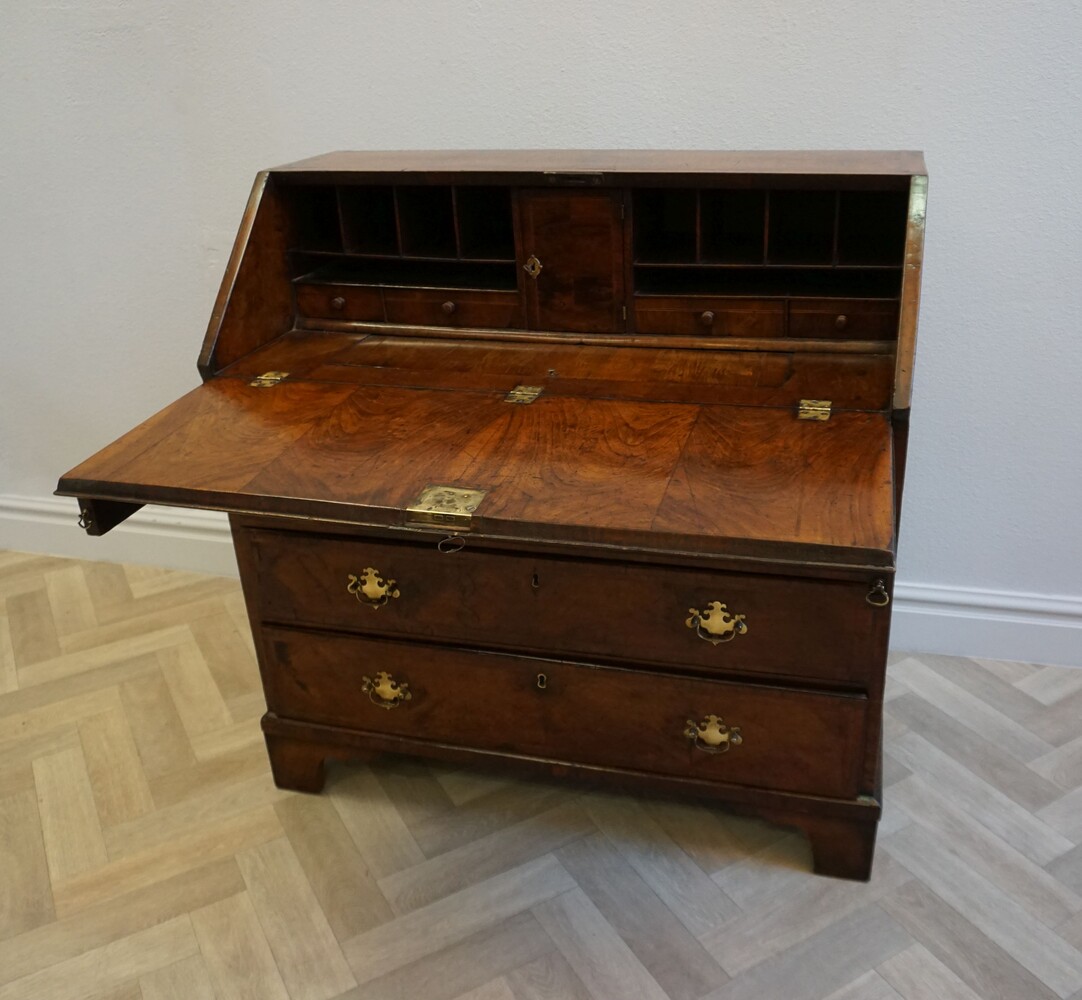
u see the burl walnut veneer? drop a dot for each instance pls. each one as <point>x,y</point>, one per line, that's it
<point>583,463</point>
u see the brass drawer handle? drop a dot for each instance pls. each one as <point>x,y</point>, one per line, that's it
<point>385,691</point>
<point>712,735</point>
<point>371,589</point>
<point>715,624</point>
<point>533,267</point>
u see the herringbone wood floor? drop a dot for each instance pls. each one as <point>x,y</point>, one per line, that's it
<point>145,853</point>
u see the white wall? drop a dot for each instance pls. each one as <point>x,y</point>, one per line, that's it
<point>130,133</point>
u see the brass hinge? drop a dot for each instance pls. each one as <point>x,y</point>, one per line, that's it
<point>267,379</point>
<point>524,394</point>
<point>813,409</point>
<point>447,506</point>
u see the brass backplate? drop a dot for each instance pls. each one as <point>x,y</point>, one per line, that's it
<point>524,394</point>
<point>447,506</point>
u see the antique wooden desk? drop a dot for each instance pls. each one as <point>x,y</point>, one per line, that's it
<point>588,463</point>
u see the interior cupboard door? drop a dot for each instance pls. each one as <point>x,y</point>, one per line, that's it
<point>572,250</point>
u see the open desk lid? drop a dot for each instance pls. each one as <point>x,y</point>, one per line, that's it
<point>699,477</point>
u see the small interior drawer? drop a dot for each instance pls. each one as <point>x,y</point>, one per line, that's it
<point>453,307</point>
<point>844,319</point>
<point>708,316</point>
<point>346,302</point>
<point>786,739</point>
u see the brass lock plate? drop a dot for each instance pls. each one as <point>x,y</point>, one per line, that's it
<point>445,506</point>
<point>524,394</point>
<point>268,379</point>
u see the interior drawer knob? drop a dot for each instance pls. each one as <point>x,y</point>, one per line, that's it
<point>712,735</point>
<point>707,318</point>
<point>371,588</point>
<point>385,691</point>
<point>841,322</point>
<point>716,624</point>
<point>338,303</point>
<point>448,308</point>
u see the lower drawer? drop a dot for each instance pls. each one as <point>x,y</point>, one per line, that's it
<point>777,738</point>
<point>844,319</point>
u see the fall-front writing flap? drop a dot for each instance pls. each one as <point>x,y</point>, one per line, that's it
<point>723,478</point>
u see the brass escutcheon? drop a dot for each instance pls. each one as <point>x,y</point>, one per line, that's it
<point>385,691</point>
<point>712,735</point>
<point>716,624</point>
<point>533,267</point>
<point>371,589</point>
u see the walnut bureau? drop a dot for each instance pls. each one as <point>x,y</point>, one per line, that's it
<point>579,463</point>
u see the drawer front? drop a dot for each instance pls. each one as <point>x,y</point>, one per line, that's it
<point>797,627</point>
<point>453,307</point>
<point>771,737</point>
<point>348,302</point>
<point>843,319</point>
<point>709,316</point>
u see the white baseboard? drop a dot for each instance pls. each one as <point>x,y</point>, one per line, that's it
<point>173,537</point>
<point>961,621</point>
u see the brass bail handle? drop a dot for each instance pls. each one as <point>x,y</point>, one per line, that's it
<point>371,588</point>
<point>878,597</point>
<point>533,266</point>
<point>716,624</point>
<point>385,691</point>
<point>712,735</point>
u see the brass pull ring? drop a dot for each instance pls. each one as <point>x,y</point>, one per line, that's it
<point>533,267</point>
<point>878,597</point>
<point>712,735</point>
<point>716,624</point>
<point>385,691</point>
<point>371,589</point>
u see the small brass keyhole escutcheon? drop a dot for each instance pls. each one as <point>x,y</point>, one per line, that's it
<point>535,582</point>
<point>533,267</point>
<point>542,682</point>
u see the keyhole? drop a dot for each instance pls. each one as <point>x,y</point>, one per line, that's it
<point>542,682</point>
<point>535,581</point>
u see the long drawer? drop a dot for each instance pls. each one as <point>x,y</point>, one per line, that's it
<point>660,723</point>
<point>805,628</point>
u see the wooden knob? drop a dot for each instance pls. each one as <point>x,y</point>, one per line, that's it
<point>840,322</point>
<point>338,302</point>
<point>707,318</point>
<point>448,307</point>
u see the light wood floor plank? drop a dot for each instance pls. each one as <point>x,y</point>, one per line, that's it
<point>228,657</point>
<point>989,909</point>
<point>916,973</point>
<point>69,819</point>
<point>117,780</point>
<point>110,967</point>
<point>26,899</point>
<point>456,869</point>
<point>156,727</point>
<point>1021,829</point>
<point>199,702</point>
<point>237,956</point>
<point>1063,765</point>
<point>870,986</point>
<point>683,886</point>
<point>346,891</point>
<point>665,947</point>
<point>462,967</point>
<point>305,948</point>
<point>376,827</point>
<point>69,599</point>
<point>187,979</point>
<point>598,955</point>
<point>33,631</point>
<point>454,918</point>
<point>494,989</point>
<point>98,926</point>
<point>866,937</point>
<point>9,674</point>
<point>547,978</point>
